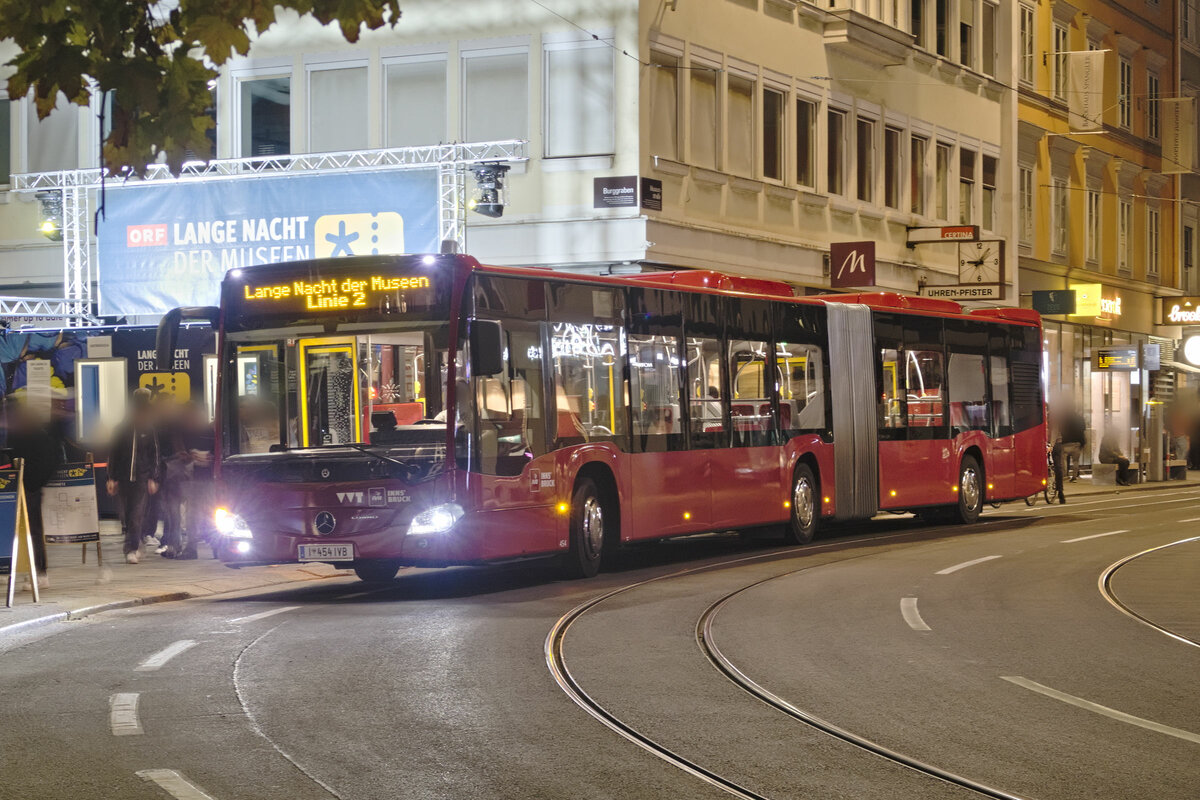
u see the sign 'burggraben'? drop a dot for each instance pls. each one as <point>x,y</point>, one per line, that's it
<point>331,294</point>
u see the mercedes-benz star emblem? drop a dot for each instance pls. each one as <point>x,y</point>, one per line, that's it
<point>325,523</point>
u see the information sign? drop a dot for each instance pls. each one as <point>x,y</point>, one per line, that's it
<point>69,513</point>
<point>1115,359</point>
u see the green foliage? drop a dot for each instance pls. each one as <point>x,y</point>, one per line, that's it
<point>152,61</point>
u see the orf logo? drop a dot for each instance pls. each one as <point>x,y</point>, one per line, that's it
<point>851,264</point>
<point>145,235</point>
<point>324,523</point>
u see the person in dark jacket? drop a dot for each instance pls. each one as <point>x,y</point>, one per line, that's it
<point>31,439</point>
<point>1110,453</point>
<point>1074,438</point>
<point>134,471</point>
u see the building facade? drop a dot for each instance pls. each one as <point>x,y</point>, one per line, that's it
<point>774,127</point>
<point>1095,210</point>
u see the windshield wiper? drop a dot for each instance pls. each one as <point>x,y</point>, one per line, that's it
<point>410,468</point>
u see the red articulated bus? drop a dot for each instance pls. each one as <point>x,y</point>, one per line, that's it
<point>429,410</point>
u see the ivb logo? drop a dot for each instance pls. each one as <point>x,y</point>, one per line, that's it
<point>358,234</point>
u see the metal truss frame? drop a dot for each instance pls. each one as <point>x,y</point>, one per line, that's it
<point>450,160</point>
<point>43,308</point>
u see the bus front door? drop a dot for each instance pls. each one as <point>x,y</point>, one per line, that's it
<point>329,392</point>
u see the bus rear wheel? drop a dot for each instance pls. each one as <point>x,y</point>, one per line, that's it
<point>806,513</point>
<point>376,571</point>
<point>589,515</point>
<point>970,491</point>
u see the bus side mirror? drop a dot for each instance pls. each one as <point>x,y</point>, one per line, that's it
<point>487,347</point>
<point>168,331</point>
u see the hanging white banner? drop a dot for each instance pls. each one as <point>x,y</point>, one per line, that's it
<point>1178,134</point>
<point>1085,90</point>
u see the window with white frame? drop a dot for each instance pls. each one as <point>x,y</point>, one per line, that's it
<point>579,99</point>
<point>664,105</point>
<point>1152,103</point>
<point>966,186</point>
<point>941,180</point>
<point>1026,34</point>
<point>987,31</point>
<point>1092,224</point>
<point>495,94</point>
<point>966,32</point>
<point>337,109</point>
<point>703,82</point>
<point>806,142</point>
<point>739,125</point>
<point>1061,47</point>
<point>918,149</point>
<point>1058,189</point>
<point>893,166</point>
<point>1124,235</point>
<point>5,140</point>
<point>1125,93</point>
<point>989,192</point>
<point>1153,234</point>
<point>864,159</point>
<point>415,100</point>
<point>1025,191</point>
<point>772,134</point>
<point>835,151</point>
<point>265,118</point>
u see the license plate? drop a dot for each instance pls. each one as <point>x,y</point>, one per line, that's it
<point>326,552</point>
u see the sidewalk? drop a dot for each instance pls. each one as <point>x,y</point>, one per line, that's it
<point>76,590</point>
<point>1084,486</point>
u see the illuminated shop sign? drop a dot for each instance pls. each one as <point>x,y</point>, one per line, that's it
<point>1181,310</point>
<point>1096,300</point>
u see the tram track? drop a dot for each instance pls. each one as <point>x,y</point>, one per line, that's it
<point>556,663</point>
<point>1106,591</point>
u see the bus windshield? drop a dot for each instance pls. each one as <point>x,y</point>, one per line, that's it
<point>290,389</point>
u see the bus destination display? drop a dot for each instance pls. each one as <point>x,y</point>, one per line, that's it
<point>331,294</point>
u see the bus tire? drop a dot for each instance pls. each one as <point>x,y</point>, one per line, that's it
<point>380,571</point>
<point>806,511</point>
<point>970,491</point>
<point>589,515</point>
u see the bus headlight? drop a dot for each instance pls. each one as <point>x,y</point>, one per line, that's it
<point>231,525</point>
<point>438,519</point>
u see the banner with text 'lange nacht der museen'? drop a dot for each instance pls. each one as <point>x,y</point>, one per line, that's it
<point>166,245</point>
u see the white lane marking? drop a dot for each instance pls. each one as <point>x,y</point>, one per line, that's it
<point>964,565</point>
<point>908,610</point>
<point>1093,536</point>
<point>264,614</point>
<point>163,656</point>
<point>123,714</point>
<point>174,784</point>
<point>1079,702</point>
<point>1193,519</point>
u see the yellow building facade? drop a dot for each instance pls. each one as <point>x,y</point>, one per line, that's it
<point>1095,209</point>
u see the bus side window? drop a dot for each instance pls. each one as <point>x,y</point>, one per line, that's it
<point>751,415</point>
<point>800,376</point>
<point>968,393</point>
<point>654,392</point>
<point>924,377</point>
<point>706,406</point>
<point>891,396</point>
<point>507,407</point>
<point>588,394</point>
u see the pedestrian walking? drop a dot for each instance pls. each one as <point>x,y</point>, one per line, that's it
<point>134,471</point>
<point>176,479</point>
<point>200,440</point>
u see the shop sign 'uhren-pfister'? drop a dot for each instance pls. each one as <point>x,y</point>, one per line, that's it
<point>165,245</point>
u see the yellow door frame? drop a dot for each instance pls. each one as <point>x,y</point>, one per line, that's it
<point>344,344</point>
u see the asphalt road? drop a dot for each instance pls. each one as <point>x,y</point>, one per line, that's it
<point>990,653</point>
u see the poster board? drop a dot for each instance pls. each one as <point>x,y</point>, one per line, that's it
<point>8,519</point>
<point>22,542</point>
<point>69,511</point>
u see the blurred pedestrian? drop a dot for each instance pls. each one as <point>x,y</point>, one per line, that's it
<point>1074,437</point>
<point>1110,453</point>
<point>31,439</point>
<point>134,470</point>
<point>176,474</point>
<point>200,440</point>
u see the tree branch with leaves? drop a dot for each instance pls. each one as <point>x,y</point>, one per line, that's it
<point>152,63</point>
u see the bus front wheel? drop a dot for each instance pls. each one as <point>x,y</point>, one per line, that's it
<point>970,491</point>
<point>376,571</point>
<point>589,515</point>
<point>806,511</point>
